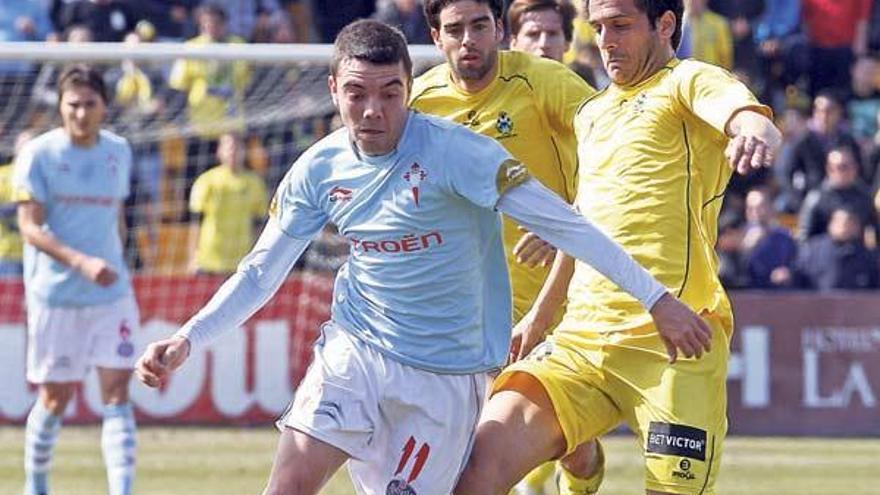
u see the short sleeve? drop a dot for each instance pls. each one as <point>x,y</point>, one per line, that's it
<point>482,170</point>
<point>29,181</point>
<point>200,194</point>
<point>127,177</point>
<point>562,94</point>
<point>294,206</point>
<point>713,94</point>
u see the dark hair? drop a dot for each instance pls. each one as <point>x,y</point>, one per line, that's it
<point>371,41</point>
<point>214,9</point>
<point>82,75</point>
<point>434,7</point>
<point>654,9</point>
<point>562,7</point>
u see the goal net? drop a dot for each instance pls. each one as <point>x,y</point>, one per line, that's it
<point>180,106</point>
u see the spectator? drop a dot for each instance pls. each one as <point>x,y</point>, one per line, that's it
<point>214,92</point>
<point>706,36</point>
<point>250,19</point>
<point>408,16</point>
<point>108,20</point>
<point>838,259</point>
<point>864,102</point>
<point>10,238</point>
<point>804,169</point>
<point>742,16</point>
<point>331,15</point>
<point>228,203</point>
<point>842,189</point>
<point>171,19</point>
<point>729,248</point>
<point>541,27</point>
<point>768,249</point>
<point>837,33</point>
<point>781,49</point>
<point>25,20</point>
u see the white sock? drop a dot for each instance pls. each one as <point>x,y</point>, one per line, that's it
<point>41,433</point>
<point>118,443</point>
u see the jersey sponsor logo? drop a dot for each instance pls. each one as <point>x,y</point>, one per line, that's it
<point>407,244</point>
<point>684,471</point>
<point>400,485</point>
<point>679,440</point>
<point>340,194</point>
<point>415,176</point>
<point>64,167</point>
<point>504,124</point>
<point>84,200</point>
<point>510,173</point>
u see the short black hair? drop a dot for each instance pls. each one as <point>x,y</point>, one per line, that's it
<point>214,9</point>
<point>564,8</point>
<point>82,75</point>
<point>434,7</point>
<point>371,41</point>
<point>655,9</point>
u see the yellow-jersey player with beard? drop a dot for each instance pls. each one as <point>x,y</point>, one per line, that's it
<point>525,102</point>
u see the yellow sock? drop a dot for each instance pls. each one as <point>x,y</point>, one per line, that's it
<point>570,484</point>
<point>538,482</point>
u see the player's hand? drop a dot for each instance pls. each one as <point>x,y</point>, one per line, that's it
<point>96,270</point>
<point>160,359</point>
<point>527,333</point>
<point>755,143</point>
<point>681,329</point>
<point>532,251</point>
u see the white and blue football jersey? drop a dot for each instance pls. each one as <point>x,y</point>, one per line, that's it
<point>81,191</point>
<point>426,281</point>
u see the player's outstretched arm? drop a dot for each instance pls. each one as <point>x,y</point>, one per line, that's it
<point>755,141</point>
<point>533,326</point>
<point>258,277</point>
<point>541,211</point>
<point>30,221</point>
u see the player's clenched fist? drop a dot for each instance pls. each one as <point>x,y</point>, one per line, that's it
<point>160,359</point>
<point>754,144</point>
<point>681,329</point>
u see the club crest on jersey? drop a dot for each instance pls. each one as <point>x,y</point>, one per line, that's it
<point>504,124</point>
<point>340,194</point>
<point>414,176</point>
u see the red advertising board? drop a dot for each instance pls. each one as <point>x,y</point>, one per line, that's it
<point>801,364</point>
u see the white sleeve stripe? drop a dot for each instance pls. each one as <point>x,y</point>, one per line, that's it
<point>544,213</point>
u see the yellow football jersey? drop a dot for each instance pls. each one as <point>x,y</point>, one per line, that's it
<point>229,204</point>
<point>652,176</point>
<point>529,108</point>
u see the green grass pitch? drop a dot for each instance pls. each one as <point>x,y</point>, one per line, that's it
<point>221,461</point>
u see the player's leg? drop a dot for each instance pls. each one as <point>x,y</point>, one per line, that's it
<point>303,464</point>
<point>678,411</point>
<point>113,325</point>
<point>517,432</point>
<point>582,471</point>
<point>55,362</point>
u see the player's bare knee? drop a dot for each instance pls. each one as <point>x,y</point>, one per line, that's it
<point>297,482</point>
<point>584,461</point>
<point>56,396</point>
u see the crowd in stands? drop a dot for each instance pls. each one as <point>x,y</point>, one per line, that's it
<point>810,222</point>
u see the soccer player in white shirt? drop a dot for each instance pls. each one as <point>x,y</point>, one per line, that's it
<point>70,183</point>
<point>421,311</point>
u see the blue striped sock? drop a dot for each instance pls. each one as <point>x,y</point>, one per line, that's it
<point>118,443</point>
<point>41,433</point>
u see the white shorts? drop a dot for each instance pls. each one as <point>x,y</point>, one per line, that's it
<point>63,342</point>
<point>407,430</point>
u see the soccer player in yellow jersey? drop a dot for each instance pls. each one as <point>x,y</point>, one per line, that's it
<point>526,103</point>
<point>656,150</point>
<point>229,203</point>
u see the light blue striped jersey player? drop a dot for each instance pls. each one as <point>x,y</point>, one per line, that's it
<point>426,281</point>
<point>81,191</point>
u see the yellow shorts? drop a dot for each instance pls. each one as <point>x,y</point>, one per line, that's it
<point>595,381</point>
